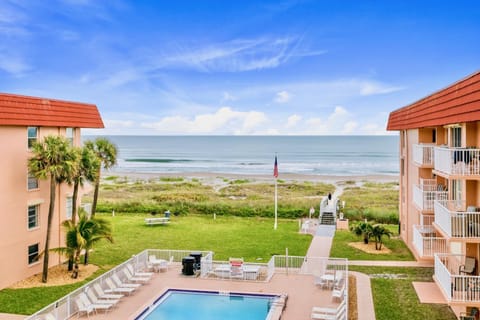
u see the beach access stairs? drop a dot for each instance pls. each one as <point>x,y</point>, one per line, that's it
<point>329,207</point>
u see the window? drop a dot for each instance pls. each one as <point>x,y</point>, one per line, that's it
<point>32,182</point>
<point>456,137</point>
<point>69,207</point>
<point>32,135</point>
<point>33,253</point>
<point>70,134</point>
<point>33,216</point>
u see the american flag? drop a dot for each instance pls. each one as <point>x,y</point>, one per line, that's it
<point>275,168</point>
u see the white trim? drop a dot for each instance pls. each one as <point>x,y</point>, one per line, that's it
<point>35,202</point>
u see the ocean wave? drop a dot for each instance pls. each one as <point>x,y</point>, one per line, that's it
<point>157,160</point>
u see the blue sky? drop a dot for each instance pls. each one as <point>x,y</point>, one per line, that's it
<point>237,67</point>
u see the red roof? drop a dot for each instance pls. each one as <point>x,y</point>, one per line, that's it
<point>457,103</point>
<point>16,110</point>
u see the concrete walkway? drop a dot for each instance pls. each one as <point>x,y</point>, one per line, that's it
<point>320,247</point>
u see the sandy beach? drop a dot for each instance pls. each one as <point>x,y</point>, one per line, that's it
<point>213,178</point>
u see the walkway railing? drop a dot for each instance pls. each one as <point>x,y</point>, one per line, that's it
<point>65,307</point>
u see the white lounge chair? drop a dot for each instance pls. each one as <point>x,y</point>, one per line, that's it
<point>121,284</point>
<point>321,313</point>
<point>96,300</point>
<point>83,308</point>
<point>116,289</point>
<point>103,295</point>
<point>338,294</point>
<point>131,278</point>
<point>136,273</point>
<point>96,306</point>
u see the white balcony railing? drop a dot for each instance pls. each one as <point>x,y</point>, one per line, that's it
<point>423,154</point>
<point>456,287</point>
<point>426,242</point>
<point>457,161</point>
<point>424,196</point>
<point>455,220</point>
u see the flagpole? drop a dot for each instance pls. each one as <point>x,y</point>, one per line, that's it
<point>275,224</point>
<point>275,175</point>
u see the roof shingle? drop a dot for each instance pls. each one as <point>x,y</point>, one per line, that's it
<point>17,110</point>
<point>460,102</point>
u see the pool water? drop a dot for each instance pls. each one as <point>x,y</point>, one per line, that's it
<point>198,305</point>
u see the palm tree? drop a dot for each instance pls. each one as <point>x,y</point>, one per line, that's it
<point>378,231</point>
<point>364,229</point>
<point>88,168</point>
<point>53,159</point>
<point>107,153</point>
<point>82,235</point>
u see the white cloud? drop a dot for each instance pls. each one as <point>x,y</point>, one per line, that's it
<point>237,55</point>
<point>369,88</point>
<point>283,97</point>
<point>13,64</point>
<point>224,121</point>
<point>293,120</point>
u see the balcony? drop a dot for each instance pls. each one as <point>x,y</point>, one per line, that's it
<point>426,193</point>
<point>426,243</point>
<point>455,221</point>
<point>456,287</point>
<point>423,155</point>
<point>457,161</point>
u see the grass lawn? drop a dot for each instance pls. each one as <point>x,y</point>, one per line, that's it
<point>397,299</point>
<point>341,249</point>
<point>250,238</point>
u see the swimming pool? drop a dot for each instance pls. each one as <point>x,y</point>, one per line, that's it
<point>208,305</point>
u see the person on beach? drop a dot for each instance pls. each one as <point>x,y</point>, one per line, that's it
<point>311,213</point>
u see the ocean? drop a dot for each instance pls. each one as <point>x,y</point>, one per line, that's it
<point>312,155</point>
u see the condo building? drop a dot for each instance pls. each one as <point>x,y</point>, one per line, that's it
<point>24,200</point>
<point>439,201</point>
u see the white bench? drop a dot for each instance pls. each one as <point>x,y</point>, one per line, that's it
<point>153,221</point>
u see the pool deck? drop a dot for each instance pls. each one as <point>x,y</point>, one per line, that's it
<point>301,291</point>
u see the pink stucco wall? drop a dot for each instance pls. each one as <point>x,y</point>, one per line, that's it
<point>15,237</point>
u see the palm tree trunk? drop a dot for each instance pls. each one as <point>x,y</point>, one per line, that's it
<point>51,209</point>
<point>95,195</point>
<point>74,202</point>
<point>74,217</point>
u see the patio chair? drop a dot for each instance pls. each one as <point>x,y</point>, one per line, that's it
<point>470,316</point>
<point>320,281</point>
<point>102,294</point>
<point>156,264</point>
<point>468,267</point>
<point>116,289</point>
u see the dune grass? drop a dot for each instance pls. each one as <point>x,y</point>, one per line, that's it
<point>235,197</point>
<point>376,202</point>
